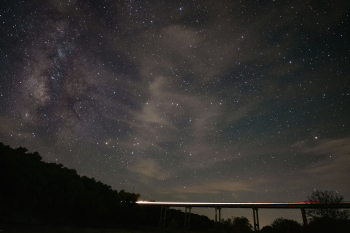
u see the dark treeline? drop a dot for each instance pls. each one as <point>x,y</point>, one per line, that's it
<point>34,192</point>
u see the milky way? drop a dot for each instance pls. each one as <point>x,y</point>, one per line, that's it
<point>225,101</point>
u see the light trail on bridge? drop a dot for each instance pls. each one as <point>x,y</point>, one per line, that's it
<point>271,205</point>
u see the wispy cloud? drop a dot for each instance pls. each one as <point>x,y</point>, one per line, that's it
<point>148,168</point>
<point>214,187</point>
<point>334,160</point>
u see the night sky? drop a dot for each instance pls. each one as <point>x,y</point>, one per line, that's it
<point>215,101</point>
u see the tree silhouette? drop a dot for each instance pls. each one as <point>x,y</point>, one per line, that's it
<point>326,198</point>
<point>330,220</point>
<point>237,224</point>
<point>266,229</point>
<point>285,225</point>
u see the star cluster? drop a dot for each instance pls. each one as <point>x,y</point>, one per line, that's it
<point>235,101</point>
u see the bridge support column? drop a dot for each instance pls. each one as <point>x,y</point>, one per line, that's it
<point>216,215</point>
<point>162,218</point>
<point>187,226</point>
<point>256,219</point>
<point>304,216</point>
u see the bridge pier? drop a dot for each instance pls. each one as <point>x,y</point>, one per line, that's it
<point>304,216</point>
<point>187,226</point>
<point>256,219</point>
<point>162,218</point>
<point>216,218</point>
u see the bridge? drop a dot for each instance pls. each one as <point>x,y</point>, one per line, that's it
<point>255,206</point>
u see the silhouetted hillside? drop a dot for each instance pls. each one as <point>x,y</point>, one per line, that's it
<point>47,193</point>
<point>34,192</point>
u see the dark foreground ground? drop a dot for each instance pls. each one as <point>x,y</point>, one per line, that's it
<point>50,229</point>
